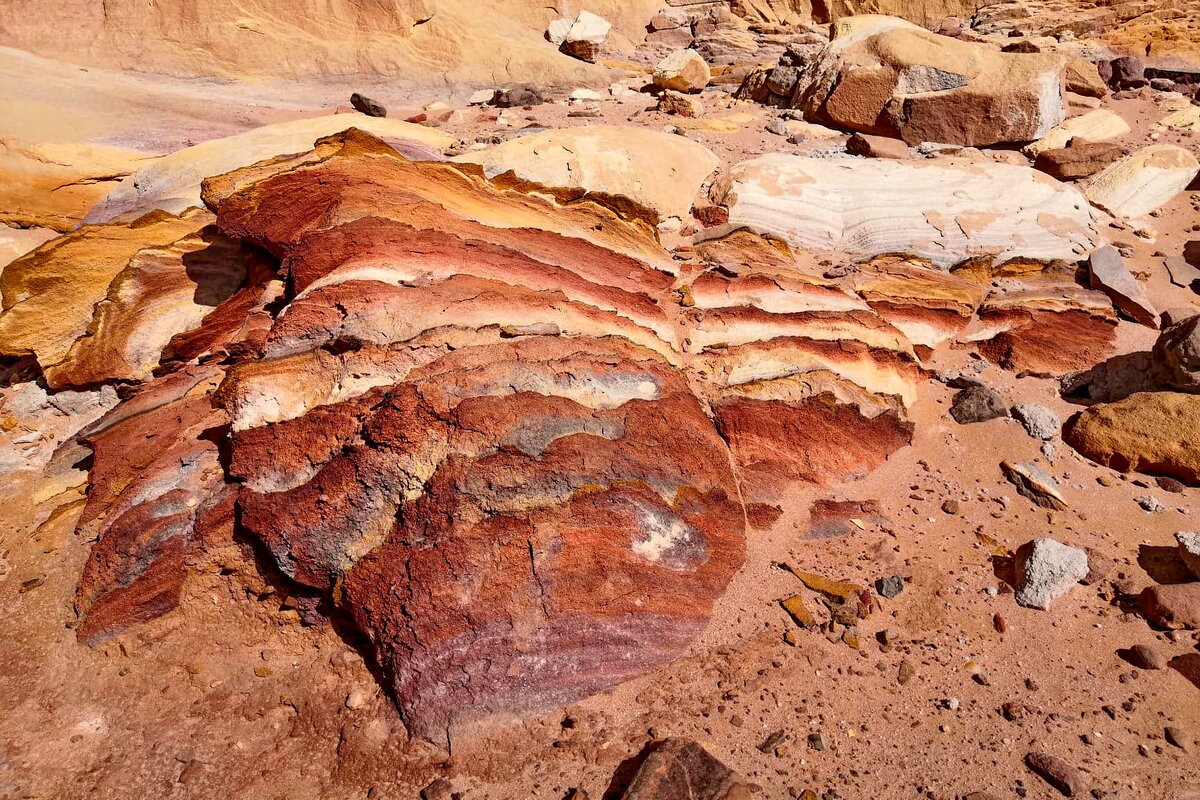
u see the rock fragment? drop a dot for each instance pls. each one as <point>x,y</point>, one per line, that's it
<point>1152,432</point>
<point>682,71</point>
<point>1078,160</point>
<point>585,37</point>
<point>365,105</point>
<point>1062,776</point>
<point>680,769</point>
<point>1047,570</point>
<point>1033,482</point>
<point>1143,656</point>
<point>678,103</point>
<point>1107,272</point>
<point>977,404</point>
<point>1038,421</point>
<point>1172,605</point>
<point>864,144</point>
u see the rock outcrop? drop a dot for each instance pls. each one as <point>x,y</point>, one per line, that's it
<point>486,420</point>
<point>655,169</point>
<point>434,40</point>
<point>885,76</point>
<point>946,212</point>
<point>172,182</point>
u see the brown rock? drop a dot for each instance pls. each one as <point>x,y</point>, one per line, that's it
<point>1143,656</point>
<point>672,102</point>
<point>680,769</point>
<point>1058,773</point>
<point>864,144</point>
<point>884,76</point>
<point>1151,432</point>
<point>365,105</point>
<point>1077,160</point>
<point>1173,605</point>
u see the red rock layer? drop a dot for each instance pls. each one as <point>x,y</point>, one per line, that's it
<point>496,425</point>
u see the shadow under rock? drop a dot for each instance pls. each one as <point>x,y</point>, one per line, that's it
<point>1187,665</point>
<point>1163,564</point>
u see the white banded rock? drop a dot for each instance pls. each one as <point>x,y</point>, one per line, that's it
<point>885,76</point>
<point>1094,126</point>
<point>658,170</point>
<point>1143,181</point>
<point>945,212</point>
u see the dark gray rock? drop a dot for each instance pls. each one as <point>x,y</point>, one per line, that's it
<point>977,404</point>
<point>365,105</point>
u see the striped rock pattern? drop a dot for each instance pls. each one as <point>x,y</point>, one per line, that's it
<point>494,426</point>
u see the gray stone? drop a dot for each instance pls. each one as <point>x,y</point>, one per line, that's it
<point>1177,354</point>
<point>977,404</point>
<point>1038,421</point>
<point>1182,273</point>
<point>1150,504</point>
<point>1189,550</point>
<point>1107,272</point>
<point>1046,570</point>
<point>889,587</point>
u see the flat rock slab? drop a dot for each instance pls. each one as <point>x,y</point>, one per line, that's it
<point>1107,272</point>
<point>1143,181</point>
<point>946,212</point>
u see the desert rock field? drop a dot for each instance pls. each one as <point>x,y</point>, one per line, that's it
<point>600,400</point>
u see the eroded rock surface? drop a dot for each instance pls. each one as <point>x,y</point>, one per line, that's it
<point>493,423</point>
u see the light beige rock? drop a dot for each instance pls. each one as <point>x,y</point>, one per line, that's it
<point>1186,119</point>
<point>423,40</point>
<point>1094,126</point>
<point>682,71</point>
<point>172,182</point>
<point>586,36</point>
<point>659,170</point>
<point>1143,181</point>
<point>945,212</point>
<point>888,77</point>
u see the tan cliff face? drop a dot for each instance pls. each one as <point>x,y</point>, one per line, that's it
<point>434,41</point>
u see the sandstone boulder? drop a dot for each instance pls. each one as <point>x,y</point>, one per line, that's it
<point>658,170</point>
<point>1151,432</point>
<point>1143,181</point>
<point>885,76</point>
<point>584,37</point>
<point>682,71</point>
<point>672,102</point>
<point>945,212</point>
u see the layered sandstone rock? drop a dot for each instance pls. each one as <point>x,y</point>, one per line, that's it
<point>946,212</point>
<point>172,182</point>
<point>654,169</point>
<point>1095,126</point>
<point>885,76</point>
<point>1143,181</point>
<point>428,39</point>
<point>488,420</point>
